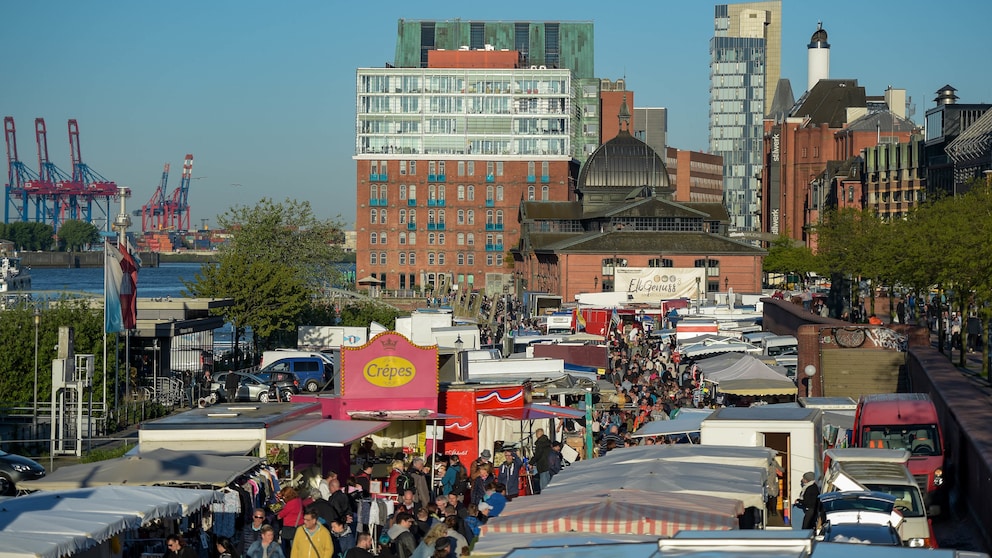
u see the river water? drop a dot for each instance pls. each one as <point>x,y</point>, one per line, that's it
<point>153,282</point>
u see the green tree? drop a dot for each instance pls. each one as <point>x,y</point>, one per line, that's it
<point>786,257</point>
<point>75,235</point>
<point>28,236</point>
<point>361,313</point>
<point>279,258</point>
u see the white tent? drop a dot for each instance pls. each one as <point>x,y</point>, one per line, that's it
<point>749,376</point>
<point>746,484</point>
<point>688,420</point>
<point>744,456</point>
<point>56,524</point>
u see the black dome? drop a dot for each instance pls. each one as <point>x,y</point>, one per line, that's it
<point>624,162</point>
<point>819,37</point>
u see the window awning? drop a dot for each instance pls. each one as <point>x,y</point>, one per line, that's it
<point>322,432</point>
<point>535,412</point>
<point>402,415</point>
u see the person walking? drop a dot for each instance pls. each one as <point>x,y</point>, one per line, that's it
<point>312,539</point>
<point>265,546</point>
<point>542,451</point>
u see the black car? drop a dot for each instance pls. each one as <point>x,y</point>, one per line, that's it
<point>14,469</point>
<point>282,385</point>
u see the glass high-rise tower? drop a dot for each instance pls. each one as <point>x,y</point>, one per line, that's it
<point>745,63</point>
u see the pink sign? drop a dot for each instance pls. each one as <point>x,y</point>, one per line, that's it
<point>389,367</point>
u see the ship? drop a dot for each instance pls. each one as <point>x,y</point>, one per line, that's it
<point>13,277</point>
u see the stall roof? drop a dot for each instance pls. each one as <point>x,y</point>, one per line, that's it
<point>322,432</point>
<point>688,420</point>
<point>216,447</point>
<point>763,414</point>
<point>159,467</point>
<point>627,550</point>
<point>401,415</point>
<point>759,386</point>
<point>232,416</point>
<point>535,412</point>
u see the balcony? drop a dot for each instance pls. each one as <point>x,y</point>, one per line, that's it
<point>432,226</point>
<point>545,178</point>
<point>432,178</point>
<point>490,178</point>
<point>498,227</point>
<point>490,226</point>
<point>411,202</point>
<point>441,178</point>
<point>490,203</point>
<point>497,247</point>
<point>490,247</point>
<point>440,225</point>
<point>431,203</point>
<point>531,178</point>
<point>382,177</point>
<point>383,202</point>
<point>411,226</point>
<point>374,202</point>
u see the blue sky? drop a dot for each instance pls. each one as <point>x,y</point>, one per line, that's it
<point>262,93</point>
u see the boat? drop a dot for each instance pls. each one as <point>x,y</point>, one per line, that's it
<point>13,277</point>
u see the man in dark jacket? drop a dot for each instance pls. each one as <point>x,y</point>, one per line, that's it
<point>810,501</point>
<point>542,451</point>
<point>509,473</point>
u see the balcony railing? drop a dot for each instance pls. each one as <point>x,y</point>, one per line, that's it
<point>412,202</point>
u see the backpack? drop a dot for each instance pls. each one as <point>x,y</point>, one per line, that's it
<point>461,480</point>
<point>403,483</point>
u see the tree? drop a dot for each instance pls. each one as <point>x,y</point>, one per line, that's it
<point>787,258</point>
<point>279,259</point>
<point>76,235</point>
<point>28,236</point>
<point>362,313</point>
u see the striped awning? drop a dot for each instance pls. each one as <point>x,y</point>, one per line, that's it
<point>616,512</point>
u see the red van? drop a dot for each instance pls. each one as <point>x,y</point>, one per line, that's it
<point>905,421</point>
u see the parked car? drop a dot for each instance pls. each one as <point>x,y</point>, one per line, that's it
<point>251,387</point>
<point>282,385</point>
<point>863,517</point>
<point>14,469</point>
<point>313,372</point>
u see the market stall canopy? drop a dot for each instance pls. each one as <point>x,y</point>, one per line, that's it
<point>402,415</point>
<point>501,543</point>
<point>745,456</point>
<point>687,421</point>
<point>216,447</point>
<point>749,376</point>
<point>535,411</point>
<point>627,550</point>
<point>616,511</point>
<point>56,524</point>
<point>159,467</point>
<point>322,432</point>
<point>715,346</point>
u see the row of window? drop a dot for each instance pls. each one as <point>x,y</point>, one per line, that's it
<point>464,217</point>
<point>461,239</point>
<point>464,168</point>
<point>435,258</point>
<point>439,192</point>
<point>712,266</point>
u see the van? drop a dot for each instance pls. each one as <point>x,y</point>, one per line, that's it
<point>312,372</point>
<point>268,357</point>
<point>905,421</point>
<point>778,345</point>
<point>856,469</point>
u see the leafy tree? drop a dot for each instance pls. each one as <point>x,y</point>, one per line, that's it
<point>361,313</point>
<point>787,258</point>
<point>279,258</point>
<point>28,236</point>
<point>75,235</point>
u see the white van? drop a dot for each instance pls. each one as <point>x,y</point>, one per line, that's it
<point>882,470</point>
<point>268,357</point>
<point>778,345</point>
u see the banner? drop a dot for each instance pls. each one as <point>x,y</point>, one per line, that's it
<point>653,284</point>
<point>113,274</point>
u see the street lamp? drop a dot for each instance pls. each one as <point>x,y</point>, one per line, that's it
<point>698,292</point>
<point>37,322</point>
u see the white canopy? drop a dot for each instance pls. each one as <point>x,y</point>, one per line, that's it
<point>749,376</point>
<point>56,524</point>
<point>688,420</point>
<point>501,543</point>
<point>685,453</point>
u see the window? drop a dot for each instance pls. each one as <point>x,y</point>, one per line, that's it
<point>430,258</point>
<point>402,216</point>
<point>431,167</point>
<point>471,193</point>
<point>402,191</point>
<point>499,168</point>
<point>413,217</point>
<point>413,192</point>
<point>432,192</point>
<point>440,192</point>
<point>471,168</point>
<point>471,239</point>
<point>382,237</point>
<point>440,168</point>
<point>489,216</point>
<point>499,217</point>
<point>402,239</point>
<point>440,216</point>
<point>489,259</point>
<point>440,258</point>
<point>470,259</point>
<point>413,167</point>
<point>461,216</point>
<point>461,192</point>
<point>471,216</point>
<point>430,217</point>
<point>712,267</point>
<point>461,258</point>
<point>374,258</point>
<point>489,193</point>
<point>413,258</point>
<point>402,258</point>
<point>489,168</point>
<point>660,262</point>
<point>544,192</point>
<point>373,238</point>
<point>530,192</point>
<point>374,192</point>
<point>499,240</point>
<point>413,239</point>
<point>383,168</point>
<point>440,238</point>
<point>373,167</point>
<point>489,239</point>
<point>382,258</point>
<point>544,168</point>
<point>382,217</point>
<point>431,237</point>
<point>402,168</point>
<point>461,168</point>
<point>530,168</point>
<point>499,193</point>
<point>460,239</point>
<point>374,216</point>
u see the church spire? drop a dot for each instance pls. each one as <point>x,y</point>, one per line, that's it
<point>624,114</point>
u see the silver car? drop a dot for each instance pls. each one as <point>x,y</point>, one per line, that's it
<point>250,388</point>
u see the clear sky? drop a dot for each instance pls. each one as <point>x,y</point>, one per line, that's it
<point>263,93</point>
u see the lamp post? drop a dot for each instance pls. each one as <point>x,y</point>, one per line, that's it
<point>459,345</point>
<point>698,280</point>
<point>37,322</point>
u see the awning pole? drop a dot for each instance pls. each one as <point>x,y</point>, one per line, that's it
<point>433,452</point>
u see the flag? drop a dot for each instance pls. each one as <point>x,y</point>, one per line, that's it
<point>580,320</point>
<point>614,319</point>
<point>113,275</point>
<point>129,285</point>
<point>120,280</point>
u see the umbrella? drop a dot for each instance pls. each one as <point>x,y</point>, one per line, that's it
<point>618,511</point>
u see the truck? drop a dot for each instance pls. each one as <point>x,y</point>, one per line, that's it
<point>856,469</point>
<point>905,421</point>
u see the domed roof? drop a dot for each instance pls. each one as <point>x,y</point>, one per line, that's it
<point>624,162</point>
<point>819,36</point>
